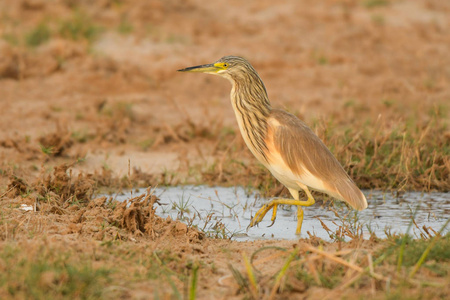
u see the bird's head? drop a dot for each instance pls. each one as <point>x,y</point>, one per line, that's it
<point>228,67</point>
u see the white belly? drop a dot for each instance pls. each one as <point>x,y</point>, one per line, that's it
<point>283,173</point>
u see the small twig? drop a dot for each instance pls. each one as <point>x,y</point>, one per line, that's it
<point>268,258</point>
<point>355,278</point>
<point>172,133</point>
<point>7,191</point>
<point>371,270</point>
<point>345,263</point>
<point>312,268</point>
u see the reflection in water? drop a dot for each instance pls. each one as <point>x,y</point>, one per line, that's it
<point>208,207</point>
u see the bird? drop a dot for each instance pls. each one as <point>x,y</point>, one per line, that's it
<point>281,142</point>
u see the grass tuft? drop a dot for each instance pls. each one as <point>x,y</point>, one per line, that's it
<point>375,3</point>
<point>38,36</point>
<point>79,27</point>
<point>125,27</point>
<point>427,251</point>
<point>48,273</point>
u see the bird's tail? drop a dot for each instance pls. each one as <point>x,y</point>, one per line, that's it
<point>347,191</point>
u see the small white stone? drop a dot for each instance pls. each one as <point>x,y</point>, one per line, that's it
<point>26,207</point>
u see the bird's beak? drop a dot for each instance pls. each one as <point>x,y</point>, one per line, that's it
<point>209,68</point>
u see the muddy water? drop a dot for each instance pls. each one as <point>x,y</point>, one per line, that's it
<point>220,210</point>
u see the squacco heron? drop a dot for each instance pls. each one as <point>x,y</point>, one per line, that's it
<point>282,143</point>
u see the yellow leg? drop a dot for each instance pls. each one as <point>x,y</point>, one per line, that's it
<point>274,205</point>
<point>299,219</point>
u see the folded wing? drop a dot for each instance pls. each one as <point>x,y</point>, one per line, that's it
<point>309,159</point>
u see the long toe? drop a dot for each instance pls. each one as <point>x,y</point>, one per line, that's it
<point>261,213</point>
<point>274,215</point>
<point>271,224</point>
<point>254,221</point>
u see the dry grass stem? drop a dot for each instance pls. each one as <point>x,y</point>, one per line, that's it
<point>343,262</point>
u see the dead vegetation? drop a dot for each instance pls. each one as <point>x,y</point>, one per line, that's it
<point>62,206</point>
<point>58,194</point>
<point>135,248</point>
<point>94,82</point>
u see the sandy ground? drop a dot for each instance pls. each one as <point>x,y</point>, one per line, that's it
<point>105,94</point>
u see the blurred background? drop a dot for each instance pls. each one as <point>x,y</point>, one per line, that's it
<point>96,82</point>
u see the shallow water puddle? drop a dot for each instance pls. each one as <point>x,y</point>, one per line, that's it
<point>227,212</point>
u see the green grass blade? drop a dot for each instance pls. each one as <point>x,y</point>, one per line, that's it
<point>193,287</point>
<point>251,276</point>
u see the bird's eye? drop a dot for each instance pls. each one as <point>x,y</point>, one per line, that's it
<point>225,65</point>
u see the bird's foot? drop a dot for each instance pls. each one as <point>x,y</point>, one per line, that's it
<point>274,205</point>
<point>262,212</point>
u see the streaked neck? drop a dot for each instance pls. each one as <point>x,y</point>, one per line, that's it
<point>252,108</point>
<point>250,90</point>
